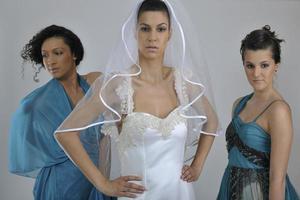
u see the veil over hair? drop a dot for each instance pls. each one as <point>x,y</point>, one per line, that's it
<point>105,103</point>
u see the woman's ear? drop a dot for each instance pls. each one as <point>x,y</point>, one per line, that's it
<point>276,67</point>
<point>74,57</point>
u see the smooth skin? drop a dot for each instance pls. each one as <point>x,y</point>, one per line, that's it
<point>154,94</point>
<point>60,63</point>
<point>260,69</point>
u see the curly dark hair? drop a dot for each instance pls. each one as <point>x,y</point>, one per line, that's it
<point>32,50</point>
<point>260,39</point>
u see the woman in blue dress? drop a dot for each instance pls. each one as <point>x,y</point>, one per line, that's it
<point>33,151</point>
<point>259,137</point>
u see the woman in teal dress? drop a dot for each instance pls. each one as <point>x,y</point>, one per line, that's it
<point>259,137</point>
<point>33,151</point>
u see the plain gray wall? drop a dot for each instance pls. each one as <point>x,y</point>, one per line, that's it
<point>221,25</point>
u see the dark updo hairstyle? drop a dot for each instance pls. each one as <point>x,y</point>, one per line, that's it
<point>32,50</point>
<point>153,5</point>
<point>261,39</point>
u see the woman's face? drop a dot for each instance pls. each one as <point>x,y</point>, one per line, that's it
<point>153,33</point>
<point>260,68</point>
<point>57,58</point>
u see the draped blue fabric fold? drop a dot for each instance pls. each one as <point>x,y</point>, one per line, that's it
<point>34,152</point>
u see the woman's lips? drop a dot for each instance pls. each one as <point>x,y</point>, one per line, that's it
<point>52,70</point>
<point>152,48</point>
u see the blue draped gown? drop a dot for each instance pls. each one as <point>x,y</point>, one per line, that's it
<point>247,174</point>
<point>34,152</point>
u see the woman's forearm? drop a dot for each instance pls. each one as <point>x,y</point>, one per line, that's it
<point>204,146</point>
<point>206,141</point>
<point>74,148</point>
<point>277,188</point>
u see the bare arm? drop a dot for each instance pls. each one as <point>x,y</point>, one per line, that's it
<point>85,113</point>
<point>281,131</point>
<point>206,141</point>
<point>118,187</point>
<point>73,146</point>
<point>192,172</point>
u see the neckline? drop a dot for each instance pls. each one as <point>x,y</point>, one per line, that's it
<point>130,88</point>
<point>253,123</point>
<point>171,113</point>
<point>82,83</point>
<point>242,105</point>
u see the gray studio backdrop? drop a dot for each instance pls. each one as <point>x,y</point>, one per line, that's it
<point>220,24</point>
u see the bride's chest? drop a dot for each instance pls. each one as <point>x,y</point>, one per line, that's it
<point>144,124</point>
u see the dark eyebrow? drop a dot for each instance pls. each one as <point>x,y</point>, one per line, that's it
<point>57,48</point>
<point>143,24</point>
<point>162,24</point>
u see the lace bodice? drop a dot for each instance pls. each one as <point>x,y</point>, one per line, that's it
<point>153,147</point>
<point>137,122</point>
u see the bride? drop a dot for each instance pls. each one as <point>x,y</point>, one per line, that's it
<point>154,102</point>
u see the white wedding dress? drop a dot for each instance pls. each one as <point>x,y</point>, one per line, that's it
<point>152,148</point>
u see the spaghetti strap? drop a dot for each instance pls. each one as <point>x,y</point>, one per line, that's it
<point>265,109</point>
<point>241,104</point>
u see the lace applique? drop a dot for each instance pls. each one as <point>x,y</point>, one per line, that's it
<point>111,130</point>
<point>138,122</point>
<point>135,123</point>
<point>180,88</point>
<point>125,92</point>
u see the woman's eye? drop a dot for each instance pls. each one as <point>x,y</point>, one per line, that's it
<point>161,29</point>
<point>44,55</point>
<point>58,53</point>
<point>145,29</point>
<point>265,65</point>
<point>249,66</point>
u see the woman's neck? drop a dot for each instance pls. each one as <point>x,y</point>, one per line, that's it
<point>266,95</point>
<point>152,71</point>
<point>70,82</point>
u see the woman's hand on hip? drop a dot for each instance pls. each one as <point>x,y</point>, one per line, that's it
<point>123,187</point>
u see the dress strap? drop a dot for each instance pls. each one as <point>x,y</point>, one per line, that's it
<point>241,104</point>
<point>264,110</point>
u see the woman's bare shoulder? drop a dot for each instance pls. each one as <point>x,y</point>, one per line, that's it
<point>91,77</point>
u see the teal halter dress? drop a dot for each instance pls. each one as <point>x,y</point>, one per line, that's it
<point>247,174</point>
